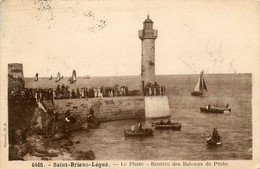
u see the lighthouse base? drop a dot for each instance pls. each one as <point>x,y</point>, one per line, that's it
<point>157,107</point>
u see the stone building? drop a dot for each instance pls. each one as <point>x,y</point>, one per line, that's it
<point>15,76</point>
<point>15,70</point>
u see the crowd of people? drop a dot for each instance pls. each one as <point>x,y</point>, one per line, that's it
<point>64,92</point>
<point>23,94</point>
<point>154,89</point>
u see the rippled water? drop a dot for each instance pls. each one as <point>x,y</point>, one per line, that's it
<point>108,142</point>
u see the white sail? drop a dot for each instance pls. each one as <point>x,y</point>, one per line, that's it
<point>58,77</point>
<point>197,87</point>
<point>36,77</point>
<point>74,77</point>
<point>203,84</point>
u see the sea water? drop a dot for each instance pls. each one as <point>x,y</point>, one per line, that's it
<point>109,143</point>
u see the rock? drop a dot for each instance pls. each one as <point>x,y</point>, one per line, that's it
<point>88,155</point>
<point>13,153</point>
<point>22,150</point>
<point>68,149</point>
<point>59,136</point>
<point>69,143</point>
<point>39,119</point>
<point>92,125</point>
<point>52,154</point>
<point>45,158</point>
<point>51,151</point>
<point>36,146</point>
<point>41,150</point>
<point>34,153</point>
<point>85,126</point>
<point>65,143</point>
<point>77,142</point>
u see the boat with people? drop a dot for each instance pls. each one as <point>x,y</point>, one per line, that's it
<point>215,139</point>
<point>167,126</point>
<point>139,132</point>
<point>215,109</point>
<point>200,86</point>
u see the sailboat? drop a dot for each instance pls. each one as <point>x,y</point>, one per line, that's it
<point>200,86</point>
<point>58,77</point>
<point>36,77</point>
<point>74,77</point>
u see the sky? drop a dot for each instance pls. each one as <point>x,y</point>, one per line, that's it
<point>100,37</point>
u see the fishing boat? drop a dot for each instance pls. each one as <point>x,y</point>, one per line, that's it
<point>58,77</point>
<point>139,133</point>
<point>215,109</point>
<point>214,139</point>
<point>165,126</point>
<point>212,142</point>
<point>73,78</point>
<point>200,86</point>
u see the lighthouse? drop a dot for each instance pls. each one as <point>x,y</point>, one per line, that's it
<point>148,36</point>
<point>155,106</point>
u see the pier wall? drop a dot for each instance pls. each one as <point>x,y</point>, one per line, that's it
<point>156,107</point>
<point>106,109</point>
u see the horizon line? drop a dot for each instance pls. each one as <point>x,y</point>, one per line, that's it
<point>140,75</point>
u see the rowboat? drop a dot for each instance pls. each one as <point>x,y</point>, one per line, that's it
<point>165,126</point>
<point>215,110</point>
<point>211,142</point>
<point>138,133</point>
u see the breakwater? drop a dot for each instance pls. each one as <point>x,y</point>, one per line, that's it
<point>106,109</point>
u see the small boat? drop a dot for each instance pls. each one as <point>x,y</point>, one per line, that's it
<point>212,142</point>
<point>165,126</point>
<point>215,110</point>
<point>58,77</point>
<point>139,133</point>
<point>200,86</point>
<point>73,78</point>
<point>36,78</point>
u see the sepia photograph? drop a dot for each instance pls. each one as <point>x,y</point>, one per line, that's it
<point>135,81</point>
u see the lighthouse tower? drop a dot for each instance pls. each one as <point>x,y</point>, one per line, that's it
<point>148,36</point>
<point>156,106</point>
